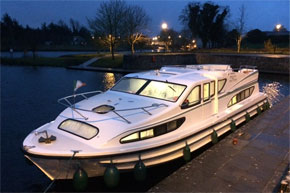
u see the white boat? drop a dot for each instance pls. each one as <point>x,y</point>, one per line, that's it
<point>148,115</point>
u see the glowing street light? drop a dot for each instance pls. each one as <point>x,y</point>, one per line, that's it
<point>164,26</point>
<point>179,36</point>
<point>278,27</point>
<point>193,41</point>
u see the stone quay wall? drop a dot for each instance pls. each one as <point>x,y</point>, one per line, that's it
<point>265,63</point>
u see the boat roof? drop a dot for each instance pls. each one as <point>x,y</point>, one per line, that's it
<point>186,74</point>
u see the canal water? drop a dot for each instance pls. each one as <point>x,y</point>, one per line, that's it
<point>28,100</point>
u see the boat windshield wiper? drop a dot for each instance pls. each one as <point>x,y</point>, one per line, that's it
<point>172,88</point>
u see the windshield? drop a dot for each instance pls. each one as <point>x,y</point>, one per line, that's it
<point>150,88</point>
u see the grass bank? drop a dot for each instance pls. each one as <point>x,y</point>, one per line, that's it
<point>244,51</point>
<point>107,62</point>
<point>63,61</point>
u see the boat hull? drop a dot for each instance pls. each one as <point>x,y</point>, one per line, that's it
<point>64,167</point>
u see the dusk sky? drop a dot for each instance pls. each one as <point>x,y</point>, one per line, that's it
<point>261,14</point>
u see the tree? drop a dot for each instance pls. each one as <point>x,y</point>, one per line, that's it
<point>136,20</point>
<point>256,36</point>
<point>11,32</point>
<point>75,26</point>
<point>240,27</point>
<point>231,38</point>
<point>108,23</point>
<point>170,39</point>
<point>205,21</point>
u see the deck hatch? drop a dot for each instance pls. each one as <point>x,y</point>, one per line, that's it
<point>103,109</point>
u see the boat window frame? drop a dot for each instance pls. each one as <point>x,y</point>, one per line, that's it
<point>182,119</point>
<point>213,88</point>
<point>230,104</point>
<point>220,90</point>
<point>77,134</point>
<point>185,106</point>
<point>204,100</point>
<point>147,83</point>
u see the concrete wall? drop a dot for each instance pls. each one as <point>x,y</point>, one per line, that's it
<point>265,63</point>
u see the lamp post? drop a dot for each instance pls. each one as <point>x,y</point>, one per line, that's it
<point>164,28</point>
<point>278,27</point>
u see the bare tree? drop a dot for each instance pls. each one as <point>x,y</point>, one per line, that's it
<point>75,26</point>
<point>108,23</point>
<point>240,27</point>
<point>136,21</point>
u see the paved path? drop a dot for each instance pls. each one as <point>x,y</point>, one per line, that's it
<point>89,62</point>
<point>86,66</point>
<point>255,164</point>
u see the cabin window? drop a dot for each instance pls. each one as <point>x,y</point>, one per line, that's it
<point>129,85</point>
<point>132,137</point>
<point>163,90</point>
<point>146,134</point>
<point>206,91</point>
<point>193,98</point>
<point>221,84</point>
<point>212,88</point>
<point>153,132</point>
<point>79,128</point>
<point>241,96</point>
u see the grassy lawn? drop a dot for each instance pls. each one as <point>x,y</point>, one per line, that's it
<point>57,62</point>
<point>63,61</point>
<point>107,62</point>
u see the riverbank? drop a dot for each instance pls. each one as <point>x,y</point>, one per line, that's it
<point>267,63</point>
<point>256,163</point>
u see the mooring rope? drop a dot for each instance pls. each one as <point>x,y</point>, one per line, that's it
<point>49,186</point>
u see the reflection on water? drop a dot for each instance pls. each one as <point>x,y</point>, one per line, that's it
<point>109,80</point>
<point>273,91</point>
<point>275,86</point>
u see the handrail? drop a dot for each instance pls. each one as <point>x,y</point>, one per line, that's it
<point>247,67</point>
<point>68,104</point>
<point>74,96</point>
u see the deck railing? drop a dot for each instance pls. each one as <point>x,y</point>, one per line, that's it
<point>66,101</point>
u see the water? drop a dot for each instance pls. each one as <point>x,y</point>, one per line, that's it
<point>28,100</point>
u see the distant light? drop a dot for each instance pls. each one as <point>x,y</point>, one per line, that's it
<point>154,38</point>
<point>93,37</point>
<point>193,41</point>
<point>179,36</point>
<point>278,27</point>
<point>164,26</point>
<point>169,37</point>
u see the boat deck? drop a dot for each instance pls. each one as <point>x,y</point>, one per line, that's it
<point>255,164</point>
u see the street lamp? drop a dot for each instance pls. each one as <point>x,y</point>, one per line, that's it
<point>164,26</point>
<point>278,27</point>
